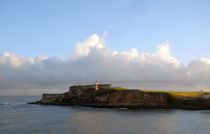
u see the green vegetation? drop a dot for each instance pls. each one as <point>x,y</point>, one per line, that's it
<point>193,94</point>
<point>118,88</point>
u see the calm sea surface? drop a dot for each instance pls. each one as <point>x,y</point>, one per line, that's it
<point>17,117</point>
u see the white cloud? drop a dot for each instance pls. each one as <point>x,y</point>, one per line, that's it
<point>161,55</point>
<point>92,60</point>
<point>82,49</point>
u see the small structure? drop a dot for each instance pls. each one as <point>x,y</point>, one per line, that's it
<point>96,86</point>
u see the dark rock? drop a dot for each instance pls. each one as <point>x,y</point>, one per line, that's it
<point>108,97</point>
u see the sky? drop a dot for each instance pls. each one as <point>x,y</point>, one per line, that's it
<point>153,44</point>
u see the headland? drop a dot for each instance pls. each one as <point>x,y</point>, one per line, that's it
<point>106,96</point>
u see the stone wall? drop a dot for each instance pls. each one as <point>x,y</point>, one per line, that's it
<point>79,89</point>
<point>104,86</point>
<point>49,98</point>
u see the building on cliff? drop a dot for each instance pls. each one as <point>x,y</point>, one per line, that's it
<point>78,89</point>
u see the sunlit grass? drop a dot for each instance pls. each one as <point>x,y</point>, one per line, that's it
<point>181,93</point>
<point>119,88</point>
<point>173,93</point>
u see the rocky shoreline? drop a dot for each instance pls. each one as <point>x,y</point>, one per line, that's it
<point>109,97</point>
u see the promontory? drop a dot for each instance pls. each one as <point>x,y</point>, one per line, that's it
<point>106,96</point>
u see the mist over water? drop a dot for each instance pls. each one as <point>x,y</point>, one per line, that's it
<point>17,117</point>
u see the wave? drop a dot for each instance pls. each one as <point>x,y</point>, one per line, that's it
<point>5,103</point>
<point>9,103</point>
<point>123,108</point>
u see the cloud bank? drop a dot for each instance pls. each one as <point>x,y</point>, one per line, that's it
<point>92,60</point>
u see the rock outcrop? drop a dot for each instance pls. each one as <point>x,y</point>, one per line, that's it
<point>109,97</point>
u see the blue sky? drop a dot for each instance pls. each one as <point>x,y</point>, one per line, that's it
<point>52,27</point>
<point>37,38</point>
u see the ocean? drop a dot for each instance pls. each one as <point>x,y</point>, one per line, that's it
<point>17,117</point>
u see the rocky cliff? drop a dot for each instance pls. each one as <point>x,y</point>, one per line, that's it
<point>112,98</point>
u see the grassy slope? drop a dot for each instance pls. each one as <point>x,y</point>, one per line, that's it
<point>181,93</point>
<point>173,93</point>
<point>118,88</point>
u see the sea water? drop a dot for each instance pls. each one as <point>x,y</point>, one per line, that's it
<point>17,117</point>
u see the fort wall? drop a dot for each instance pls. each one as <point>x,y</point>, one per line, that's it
<point>79,89</point>
<point>48,98</point>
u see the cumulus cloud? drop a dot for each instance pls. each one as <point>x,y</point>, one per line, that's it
<point>92,60</point>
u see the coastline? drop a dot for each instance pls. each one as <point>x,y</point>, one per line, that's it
<point>110,97</point>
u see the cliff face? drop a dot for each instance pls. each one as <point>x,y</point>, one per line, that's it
<point>50,98</point>
<point>106,98</point>
<point>109,97</point>
<point>135,97</point>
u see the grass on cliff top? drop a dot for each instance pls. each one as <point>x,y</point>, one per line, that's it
<point>115,88</point>
<point>181,93</point>
<point>173,93</point>
<point>118,88</point>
